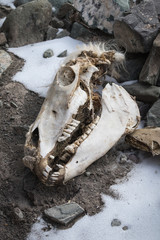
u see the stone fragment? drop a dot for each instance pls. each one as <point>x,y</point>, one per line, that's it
<point>78,30</point>
<point>137,31</point>
<point>5,61</point>
<point>3,39</point>
<point>144,93</point>
<point>63,54</point>
<point>65,213</point>
<point>143,108</point>
<point>56,23</point>
<point>63,33</point>
<point>101,13</point>
<point>51,33</point>
<point>115,222</point>
<point>146,139</point>
<point>13,104</point>
<point>125,228</point>
<point>1,103</point>
<point>21,2</point>
<point>18,213</point>
<point>153,116</point>
<point>48,53</point>
<point>157,4</point>
<point>28,23</point>
<point>151,69</point>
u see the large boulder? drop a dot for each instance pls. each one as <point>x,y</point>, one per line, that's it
<point>28,23</point>
<point>101,13</point>
<point>137,31</point>
<point>151,69</point>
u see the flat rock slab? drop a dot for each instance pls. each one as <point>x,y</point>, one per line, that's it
<point>5,61</point>
<point>65,213</point>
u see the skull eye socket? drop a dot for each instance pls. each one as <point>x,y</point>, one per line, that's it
<point>66,76</point>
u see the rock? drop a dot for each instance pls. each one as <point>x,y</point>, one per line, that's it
<point>146,139</point>
<point>143,108</point>
<point>3,39</point>
<point>63,33</point>
<point>157,4</point>
<point>79,30</point>
<point>144,93</point>
<point>153,116</point>
<point>58,3</point>
<point>151,69</point>
<point>115,223</point>
<point>125,228</point>
<point>65,213</point>
<point>28,23</point>
<point>13,104</point>
<point>63,54</point>
<point>48,53</point>
<point>122,158</point>
<point>87,174</point>
<point>21,2</point>
<point>5,61</point>
<point>101,13</point>
<point>1,103</point>
<point>18,213</point>
<point>137,31</point>
<point>51,33</point>
<point>132,67</point>
<point>56,23</point>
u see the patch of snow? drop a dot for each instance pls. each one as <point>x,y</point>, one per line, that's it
<point>138,208</point>
<point>38,72</point>
<point>2,21</point>
<point>9,3</point>
<point>60,30</point>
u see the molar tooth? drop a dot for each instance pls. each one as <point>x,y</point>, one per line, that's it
<point>52,157</point>
<point>74,123</point>
<point>45,173</point>
<point>66,134</point>
<point>71,127</point>
<point>63,158</point>
<point>54,178</point>
<point>96,120</point>
<point>84,136</point>
<point>55,174</point>
<point>48,169</point>
<point>88,131</point>
<point>60,166</point>
<point>92,126</point>
<point>70,148</point>
<point>61,139</point>
<point>68,130</point>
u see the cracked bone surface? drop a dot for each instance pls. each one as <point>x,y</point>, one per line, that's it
<point>77,124</point>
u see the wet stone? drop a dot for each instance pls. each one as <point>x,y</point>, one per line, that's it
<point>115,222</point>
<point>48,53</point>
<point>5,61</point>
<point>65,213</point>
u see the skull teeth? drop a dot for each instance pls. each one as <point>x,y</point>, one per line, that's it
<point>71,148</point>
<point>52,157</point>
<point>55,174</point>
<point>48,169</point>
<point>60,166</point>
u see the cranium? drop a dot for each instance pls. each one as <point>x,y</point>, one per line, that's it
<point>76,125</point>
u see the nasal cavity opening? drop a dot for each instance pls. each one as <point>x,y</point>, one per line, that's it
<point>35,137</point>
<point>66,76</point>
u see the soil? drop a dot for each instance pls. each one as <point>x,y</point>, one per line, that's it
<point>19,187</point>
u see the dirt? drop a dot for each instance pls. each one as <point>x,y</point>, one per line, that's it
<point>19,188</point>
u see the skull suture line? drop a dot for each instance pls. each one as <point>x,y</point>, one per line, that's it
<point>76,125</point>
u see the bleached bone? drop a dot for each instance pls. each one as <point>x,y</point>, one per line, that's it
<point>76,125</point>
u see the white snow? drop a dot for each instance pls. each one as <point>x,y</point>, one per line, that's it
<point>138,208</point>
<point>38,72</point>
<point>9,3</point>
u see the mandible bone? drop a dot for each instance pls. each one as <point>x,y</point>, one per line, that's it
<point>76,124</point>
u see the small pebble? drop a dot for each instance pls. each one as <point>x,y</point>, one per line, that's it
<point>14,105</point>
<point>63,54</point>
<point>1,103</point>
<point>115,222</point>
<point>125,228</point>
<point>48,53</point>
<point>18,213</point>
<point>87,174</point>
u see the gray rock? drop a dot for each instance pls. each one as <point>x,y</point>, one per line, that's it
<point>125,228</point>
<point>63,54</point>
<point>51,33</point>
<point>87,174</point>
<point>28,23</point>
<point>144,93</point>
<point>143,108</point>
<point>137,31</point>
<point>18,213</point>
<point>65,213</point>
<point>153,116</point>
<point>48,53</point>
<point>115,223</point>
<point>21,2</point>
<point>13,104</point>
<point>63,33</point>
<point>79,30</point>
<point>56,23</point>
<point>132,67</point>
<point>1,103</point>
<point>101,13</point>
<point>5,61</point>
<point>3,39</point>
<point>157,4</point>
<point>151,69</point>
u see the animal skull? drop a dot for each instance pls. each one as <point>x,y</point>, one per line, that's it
<point>76,125</point>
